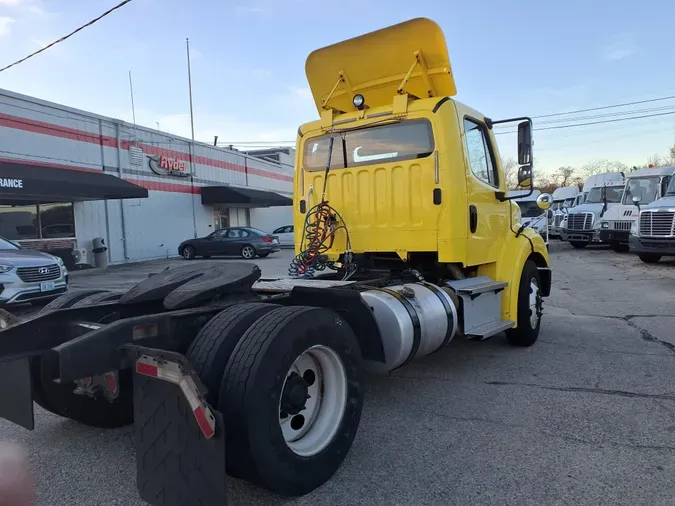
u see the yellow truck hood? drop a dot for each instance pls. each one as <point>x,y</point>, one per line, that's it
<point>376,63</point>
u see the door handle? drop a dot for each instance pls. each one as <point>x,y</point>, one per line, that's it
<point>473,218</point>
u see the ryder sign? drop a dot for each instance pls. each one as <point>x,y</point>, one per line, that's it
<point>165,166</point>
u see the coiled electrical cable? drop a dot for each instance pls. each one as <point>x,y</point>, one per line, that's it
<point>322,222</point>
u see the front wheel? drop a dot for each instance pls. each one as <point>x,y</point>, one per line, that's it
<point>578,244</point>
<point>650,258</point>
<point>291,399</point>
<point>188,253</point>
<point>530,308</point>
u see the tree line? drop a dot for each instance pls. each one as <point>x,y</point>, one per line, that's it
<point>569,175</point>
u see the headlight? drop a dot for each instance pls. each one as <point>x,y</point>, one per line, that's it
<point>59,261</point>
<point>604,224</point>
<point>5,268</point>
<point>634,228</point>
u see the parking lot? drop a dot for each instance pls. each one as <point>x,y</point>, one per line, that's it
<point>584,417</point>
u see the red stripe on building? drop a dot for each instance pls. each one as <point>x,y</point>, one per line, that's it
<point>202,160</point>
<point>43,128</point>
<point>40,127</point>
<point>165,187</point>
<point>148,185</point>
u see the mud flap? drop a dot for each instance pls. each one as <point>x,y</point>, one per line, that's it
<point>179,462</point>
<point>16,394</point>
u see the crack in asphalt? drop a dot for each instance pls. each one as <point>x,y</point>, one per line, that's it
<point>644,333</point>
<point>558,435</point>
<point>600,391</point>
<point>599,350</point>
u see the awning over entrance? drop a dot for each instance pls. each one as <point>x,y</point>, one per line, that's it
<point>242,197</point>
<point>25,183</point>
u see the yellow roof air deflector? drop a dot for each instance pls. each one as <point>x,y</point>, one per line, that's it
<point>377,64</point>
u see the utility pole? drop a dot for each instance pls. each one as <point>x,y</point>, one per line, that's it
<point>192,145</point>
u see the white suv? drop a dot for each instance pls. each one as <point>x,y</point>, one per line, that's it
<point>27,275</point>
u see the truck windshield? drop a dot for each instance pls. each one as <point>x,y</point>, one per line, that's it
<point>613,193</point>
<point>407,140</point>
<point>643,187</point>
<point>529,209</point>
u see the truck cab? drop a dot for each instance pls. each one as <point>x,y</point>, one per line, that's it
<point>652,234</point>
<point>563,199</point>
<point>582,225</point>
<point>407,176</point>
<point>648,185</point>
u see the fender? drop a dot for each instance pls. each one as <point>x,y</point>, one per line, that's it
<point>509,267</point>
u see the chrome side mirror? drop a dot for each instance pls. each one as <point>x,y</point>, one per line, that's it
<point>544,201</point>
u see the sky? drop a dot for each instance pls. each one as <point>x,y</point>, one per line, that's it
<point>509,58</point>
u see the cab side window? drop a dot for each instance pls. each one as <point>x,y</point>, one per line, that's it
<point>480,156</point>
<point>664,185</point>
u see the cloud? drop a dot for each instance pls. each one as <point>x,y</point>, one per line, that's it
<point>6,24</point>
<point>10,2</point>
<point>620,48</point>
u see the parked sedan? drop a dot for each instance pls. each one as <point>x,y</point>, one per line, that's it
<point>244,241</point>
<point>286,235</point>
<point>28,275</point>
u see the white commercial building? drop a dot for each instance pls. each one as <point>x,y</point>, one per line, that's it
<point>69,176</point>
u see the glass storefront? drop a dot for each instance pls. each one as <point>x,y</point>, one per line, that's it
<point>37,221</point>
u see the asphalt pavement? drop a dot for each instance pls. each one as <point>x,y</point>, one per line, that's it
<point>584,417</point>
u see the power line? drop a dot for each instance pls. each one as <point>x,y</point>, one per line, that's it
<point>592,123</point>
<point>604,107</point>
<point>121,4</point>
<point>669,108</point>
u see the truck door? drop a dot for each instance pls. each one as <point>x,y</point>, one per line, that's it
<point>488,217</point>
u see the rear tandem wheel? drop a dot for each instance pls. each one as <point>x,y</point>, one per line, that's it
<point>291,399</point>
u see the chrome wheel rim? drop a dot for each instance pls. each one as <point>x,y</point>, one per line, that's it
<point>187,254</point>
<point>313,401</point>
<point>247,252</point>
<point>535,303</point>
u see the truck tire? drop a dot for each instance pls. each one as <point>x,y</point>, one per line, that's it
<point>292,363</point>
<point>529,308</point>
<point>211,349</point>
<point>61,302</point>
<point>92,300</point>
<point>620,248</point>
<point>578,244</point>
<point>59,399</point>
<point>67,300</point>
<point>650,258</point>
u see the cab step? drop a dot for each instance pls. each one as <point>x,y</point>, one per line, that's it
<point>490,329</point>
<point>481,306</point>
<point>476,286</point>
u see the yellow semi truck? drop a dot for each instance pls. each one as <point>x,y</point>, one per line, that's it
<point>405,239</point>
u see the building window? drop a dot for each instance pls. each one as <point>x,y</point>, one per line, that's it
<point>37,221</point>
<point>57,220</point>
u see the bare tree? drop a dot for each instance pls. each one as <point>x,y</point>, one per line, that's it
<point>601,166</point>
<point>657,160</point>
<point>510,168</point>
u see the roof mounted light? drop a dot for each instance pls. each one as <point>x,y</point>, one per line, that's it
<point>359,101</point>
